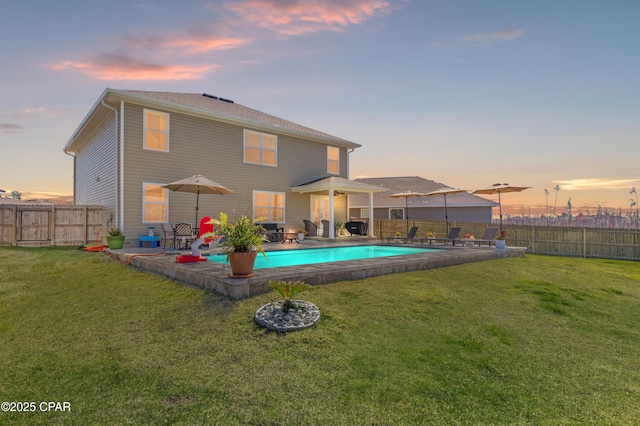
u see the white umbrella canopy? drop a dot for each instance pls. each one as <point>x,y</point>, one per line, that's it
<point>444,192</point>
<point>499,188</point>
<point>198,184</point>
<point>406,195</point>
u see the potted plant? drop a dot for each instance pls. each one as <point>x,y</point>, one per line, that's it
<point>501,242</point>
<point>396,237</point>
<point>115,239</point>
<point>301,234</point>
<point>340,227</point>
<point>241,242</point>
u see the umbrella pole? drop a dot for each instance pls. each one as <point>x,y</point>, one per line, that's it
<point>500,207</point>
<point>197,202</point>
<point>406,203</point>
<point>446,216</point>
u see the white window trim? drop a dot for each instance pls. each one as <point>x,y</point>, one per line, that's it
<point>144,202</point>
<point>396,208</point>
<point>244,148</point>
<point>144,129</point>
<point>284,207</point>
<point>329,161</point>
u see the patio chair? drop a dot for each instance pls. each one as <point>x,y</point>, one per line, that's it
<point>452,237</point>
<point>311,228</point>
<point>184,233</point>
<point>169,235</point>
<point>409,238</point>
<point>325,228</point>
<point>488,237</point>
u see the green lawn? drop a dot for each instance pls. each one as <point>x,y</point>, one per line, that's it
<point>534,340</point>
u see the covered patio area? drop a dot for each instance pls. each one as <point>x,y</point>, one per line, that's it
<point>332,186</point>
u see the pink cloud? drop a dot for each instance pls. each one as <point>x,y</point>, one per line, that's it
<point>193,42</point>
<point>114,66</point>
<point>295,17</point>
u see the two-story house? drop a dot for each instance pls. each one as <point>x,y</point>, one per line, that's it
<point>131,143</point>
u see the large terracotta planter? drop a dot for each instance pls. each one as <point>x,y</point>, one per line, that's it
<point>242,264</point>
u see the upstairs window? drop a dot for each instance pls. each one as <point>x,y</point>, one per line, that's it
<point>333,160</point>
<point>156,130</point>
<point>260,148</point>
<point>155,203</point>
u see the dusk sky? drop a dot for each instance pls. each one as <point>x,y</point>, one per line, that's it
<point>467,93</point>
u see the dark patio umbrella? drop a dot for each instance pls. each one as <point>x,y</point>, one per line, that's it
<point>499,188</point>
<point>198,184</point>
<point>406,195</point>
<point>444,192</point>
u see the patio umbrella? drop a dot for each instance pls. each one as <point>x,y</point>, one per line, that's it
<point>444,192</point>
<point>198,184</point>
<point>406,195</point>
<point>499,188</point>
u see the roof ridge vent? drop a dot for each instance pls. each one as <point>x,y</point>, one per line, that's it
<point>206,95</point>
<point>226,100</point>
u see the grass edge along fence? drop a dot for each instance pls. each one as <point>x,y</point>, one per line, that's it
<point>36,225</point>
<point>602,243</point>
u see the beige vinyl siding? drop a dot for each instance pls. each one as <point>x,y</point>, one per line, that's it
<point>96,165</point>
<point>215,150</point>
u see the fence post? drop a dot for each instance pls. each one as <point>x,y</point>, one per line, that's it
<point>533,239</point>
<point>52,225</point>
<point>18,225</point>
<point>584,242</point>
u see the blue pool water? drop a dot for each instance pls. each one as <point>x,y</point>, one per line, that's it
<point>276,259</point>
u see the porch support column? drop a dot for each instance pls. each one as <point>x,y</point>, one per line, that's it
<point>371,214</point>
<point>332,228</point>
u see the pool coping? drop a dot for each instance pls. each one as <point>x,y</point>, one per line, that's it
<point>213,276</point>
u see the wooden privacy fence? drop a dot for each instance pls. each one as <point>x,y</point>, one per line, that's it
<point>623,244</point>
<point>35,225</point>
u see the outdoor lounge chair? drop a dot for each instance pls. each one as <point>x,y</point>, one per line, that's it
<point>452,237</point>
<point>409,238</point>
<point>311,228</point>
<point>273,233</point>
<point>488,237</point>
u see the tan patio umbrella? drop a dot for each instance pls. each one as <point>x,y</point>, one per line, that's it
<point>198,184</point>
<point>499,188</point>
<point>444,192</point>
<point>406,195</point>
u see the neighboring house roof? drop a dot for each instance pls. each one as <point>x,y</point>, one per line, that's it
<point>337,184</point>
<point>203,105</point>
<point>7,200</point>
<point>415,184</point>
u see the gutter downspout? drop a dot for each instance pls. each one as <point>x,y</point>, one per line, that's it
<point>74,173</point>
<point>115,112</point>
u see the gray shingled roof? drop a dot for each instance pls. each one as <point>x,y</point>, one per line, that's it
<point>231,109</point>
<point>415,184</point>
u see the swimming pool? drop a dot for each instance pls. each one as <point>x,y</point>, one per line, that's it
<point>277,259</point>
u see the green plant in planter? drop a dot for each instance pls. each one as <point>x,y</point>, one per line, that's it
<point>243,236</point>
<point>115,232</point>
<point>288,289</point>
